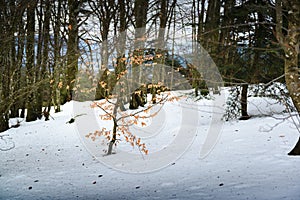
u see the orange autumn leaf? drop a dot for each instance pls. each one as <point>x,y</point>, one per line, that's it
<point>60,84</point>
<point>146,151</point>
<point>146,110</point>
<point>138,141</point>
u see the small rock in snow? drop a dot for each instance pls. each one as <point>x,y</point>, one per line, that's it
<point>137,187</point>
<point>100,175</point>
<point>94,182</point>
<point>221,184</point>
<point>29,188</point>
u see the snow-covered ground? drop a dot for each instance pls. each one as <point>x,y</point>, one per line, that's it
<point>250,161</point>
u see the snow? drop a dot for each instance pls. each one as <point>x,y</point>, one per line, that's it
<point>50,161</point>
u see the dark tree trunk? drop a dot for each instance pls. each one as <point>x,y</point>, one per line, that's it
<point>16,61</point>
<point>3,124</point>
<point>290,44</point>
<point>72,49</point>
<point>32,113</point>
<point>200,20</point>
<point>113,140</point>
<point>7,52</point>
<point>244,105</point>
<point>296,149</point>
<point>114,136</point>
<point>17,105</point>
<point>42,57</point>
<point>3,121</point>
<point>56,91</point>
<point>212,24</point>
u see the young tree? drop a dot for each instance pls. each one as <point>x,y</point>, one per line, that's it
<point>123,120</point>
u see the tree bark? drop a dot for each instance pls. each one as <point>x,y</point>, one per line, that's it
<point>244,104</point>
<point>114,134</point>
<point>72,49</point>
<point>290,44</point>
<point>57,62</point>
<point>292,63</point>
<point>32,113</point>
<point>212,27</point>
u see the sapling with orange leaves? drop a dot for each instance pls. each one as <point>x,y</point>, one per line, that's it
<point>122,120</point>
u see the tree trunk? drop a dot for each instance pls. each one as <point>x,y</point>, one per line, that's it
<point>296,149</point>
<point>72,49</point>
<point>18,66</point>
<point>43,52</point>
<point>291,63</point>
<point>30,62</point>
<point>290,44</point>
<point>3,122</point>
<point>56,93</point>
<point>212,27</point>
<point>244,104</point>
<point>200,20</point>
<point>7,53</point>
<point>114,136</point>
<point>140,14</point>
<point>113,140</point>
<point>15,85</point>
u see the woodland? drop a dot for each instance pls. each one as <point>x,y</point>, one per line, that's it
<point>46,43</point>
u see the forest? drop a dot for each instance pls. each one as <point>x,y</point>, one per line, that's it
<point>45,44</point>
<point>149,99</point>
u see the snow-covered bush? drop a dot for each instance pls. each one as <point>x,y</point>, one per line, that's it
<point>275,91</point>
<point>233,104</point>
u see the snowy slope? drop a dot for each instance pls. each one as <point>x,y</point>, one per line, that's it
<point>49,161</point>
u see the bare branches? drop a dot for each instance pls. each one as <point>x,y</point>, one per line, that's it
<point>122,120</point>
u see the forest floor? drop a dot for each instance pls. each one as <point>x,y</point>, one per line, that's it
<point>48,160</point>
